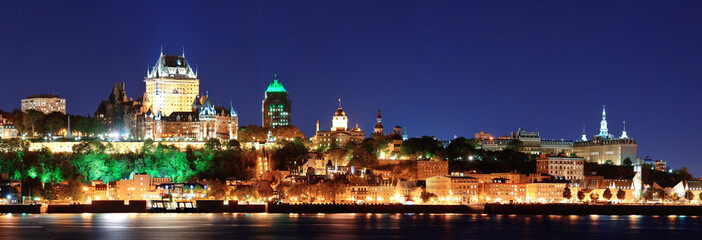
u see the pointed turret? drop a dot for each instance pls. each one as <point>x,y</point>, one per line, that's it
<point>584,137</point>
<point>379,125</point>
<point>604,132</point>
<point>624,136</point>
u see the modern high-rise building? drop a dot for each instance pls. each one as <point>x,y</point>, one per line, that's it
<point>46,103</point>
<point>171,85</point>
<point>276,105</point>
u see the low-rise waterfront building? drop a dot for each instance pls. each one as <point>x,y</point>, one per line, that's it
<point>427,169</point>
<point>561,167</point>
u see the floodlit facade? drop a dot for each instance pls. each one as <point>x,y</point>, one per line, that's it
<point>605,148</point>
<point>455,189</point>
<point>135,188</point>
<point>545,192</point>
<point>203,121</point>
<point>45,103</point>
<point>171,85</point>
<point>566,168</point>
<point>427,169</point>
<point>339,132</point>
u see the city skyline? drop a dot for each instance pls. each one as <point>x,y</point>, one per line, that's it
<point>376,62</point>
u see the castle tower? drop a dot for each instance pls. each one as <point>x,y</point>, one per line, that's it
<point>171,85</point>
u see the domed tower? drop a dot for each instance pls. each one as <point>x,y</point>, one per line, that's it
<point>339,121</point>
<point>379,125</point>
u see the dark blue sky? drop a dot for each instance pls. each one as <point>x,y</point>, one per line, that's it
<point>437,68</point>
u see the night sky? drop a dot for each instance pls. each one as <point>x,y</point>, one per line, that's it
<point>436,68</point>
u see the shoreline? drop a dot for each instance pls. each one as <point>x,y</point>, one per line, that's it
<point>216,206</point>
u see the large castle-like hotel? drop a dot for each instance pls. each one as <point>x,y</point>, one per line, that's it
<point>171,107</point>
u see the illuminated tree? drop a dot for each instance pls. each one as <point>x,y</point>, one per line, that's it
<point>567,193</point>
<point>621,194</point>
<point>662,195</point>
<point>581,195</point>
<point>218,190</point>
<point>607,195</point>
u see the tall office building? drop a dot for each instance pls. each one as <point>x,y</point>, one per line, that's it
<point>171,85</point>
<point>46,103</point>
<point>276,106</point>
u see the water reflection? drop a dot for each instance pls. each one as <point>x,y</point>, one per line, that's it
<point>343,226</point>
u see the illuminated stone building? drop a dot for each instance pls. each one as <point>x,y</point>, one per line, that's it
<point>135,188</point>
<point>505,192</point>
<point>46,103</point>
<point>119,112</point>
<point>562,167</point>
<point>533,143</point>
<point>427,169</point>
<point>203,121</point>
<point>7,129</point>
<point>171,85</point>
<point>544,192</point>
<point>276,106</point>
<point>455,188</point>
<point>606,148</point>
<point>339,132</point>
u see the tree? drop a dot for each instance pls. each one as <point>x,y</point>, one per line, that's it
<point>424,147</point>
<point>459,149</point>
<point>621,194</point>
<point>285,157</point>
<point>515,145</point>
<point>233,145</point>
<point>213,144</point>
<point>218,190</point>
<point>31,118</point>
<point>594,196</point>
<point>627,162</point>
<point>648,195</point>
<point>362,158</point>
<point>427,196</point>
<point>567,193</point>
<point>662,195</point>
<point>252,133</point>
<point>607,194</point>
<point>287,132</point>
<point>73,190</point>
<point>581,195</point>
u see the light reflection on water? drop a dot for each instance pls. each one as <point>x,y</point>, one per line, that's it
<point>344,226</point>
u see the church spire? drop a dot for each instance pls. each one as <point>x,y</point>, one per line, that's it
<point>584,137</point>
<point>624,131</point>
<point>604,133</point>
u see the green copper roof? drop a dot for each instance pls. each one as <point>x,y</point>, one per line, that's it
<point>275,86</point>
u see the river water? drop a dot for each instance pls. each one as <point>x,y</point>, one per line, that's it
<point>345,226</point>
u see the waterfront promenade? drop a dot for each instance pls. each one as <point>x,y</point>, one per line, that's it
<point>217,206</point>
